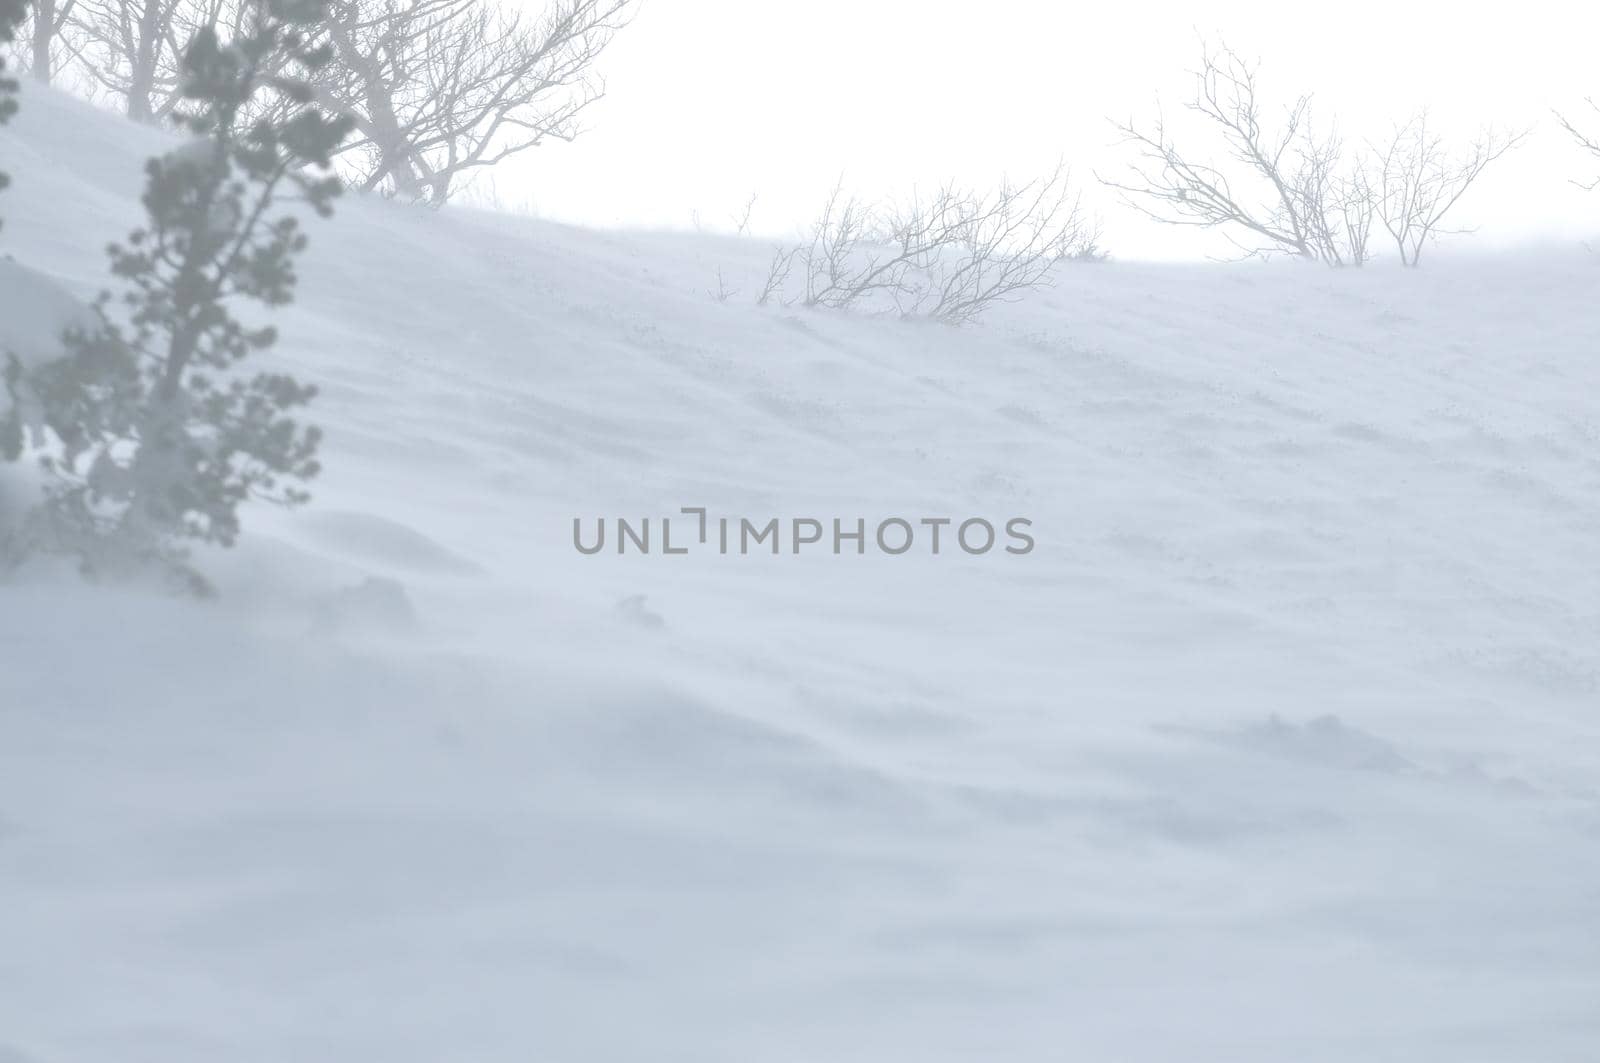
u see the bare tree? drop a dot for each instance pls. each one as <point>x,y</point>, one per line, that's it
<point>441,88</point>
<point>1419,181</point>
<point>379,47</point>
<point>437,89</point>
<point>44,45</point>
<point>1588,139</point>
<point>1283,190</point>
<point>132,50</point>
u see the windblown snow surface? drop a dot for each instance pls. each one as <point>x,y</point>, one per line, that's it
<point>1282,745</point>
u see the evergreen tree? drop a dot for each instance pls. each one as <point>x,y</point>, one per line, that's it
<point>150,433</point>
<point>12,12</point>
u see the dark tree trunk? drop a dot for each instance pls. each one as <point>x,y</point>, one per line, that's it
<point>45,25</point>
<point>142,83</point>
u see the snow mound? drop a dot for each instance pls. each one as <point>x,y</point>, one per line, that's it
<point>37,311</point>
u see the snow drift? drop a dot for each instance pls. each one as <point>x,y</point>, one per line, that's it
<point>1280,745</point>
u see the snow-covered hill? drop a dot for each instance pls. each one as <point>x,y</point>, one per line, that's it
<point>1282,744</point>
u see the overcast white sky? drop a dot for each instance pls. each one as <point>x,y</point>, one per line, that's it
<point>712,100</point>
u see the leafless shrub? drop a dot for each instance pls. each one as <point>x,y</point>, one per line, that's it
<point>741,220</point>
<point>1081,242</point>
<point>949,256</point>
<point>1418,181</point>
<point>1588,138</point>
<point>851,256</point>
<point>723,293</point>
<point>1295,189</point>
<point>1284,190</point>
<point>778,274</point>
<point>974,250</point>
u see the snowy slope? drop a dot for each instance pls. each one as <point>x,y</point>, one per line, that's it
<point>1282,745</point>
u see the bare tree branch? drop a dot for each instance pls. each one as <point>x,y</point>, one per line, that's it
<point>1418,181</point>
<point>949,256</point>
<point>778,274</point>
<point>1587,139</point>
<point>741,220</point>
<point>439,88</point>
<point>1282,191</point>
